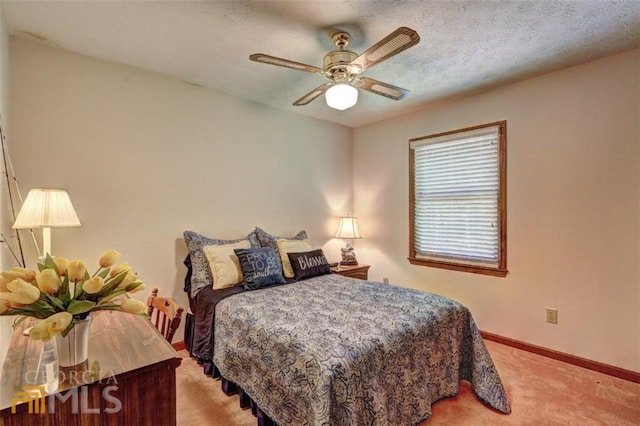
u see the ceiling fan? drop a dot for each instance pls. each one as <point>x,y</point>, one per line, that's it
<point>343,68</point>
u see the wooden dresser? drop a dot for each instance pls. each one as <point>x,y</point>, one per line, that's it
<point>355,271</point>
<point>129,378</point>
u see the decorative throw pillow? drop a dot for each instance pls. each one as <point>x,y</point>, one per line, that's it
<point>309,264</point>
<point>291,246</point>
<point>260,267</point>
<point>224,264</point>
<point>201,274</point>
<point>269,240</point>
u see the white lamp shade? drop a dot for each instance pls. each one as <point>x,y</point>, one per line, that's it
<point>341,96</point>
<point>50,208</point>
<point>348,228</point>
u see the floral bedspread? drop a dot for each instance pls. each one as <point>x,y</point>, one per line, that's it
<point>334,350</point>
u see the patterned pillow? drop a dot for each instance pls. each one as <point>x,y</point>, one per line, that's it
<point>224,264</point>
<point>201,275</point>
<point>309,264</point>
<point>291,246</point>
<point>260,267</point>
<point>269,240</point>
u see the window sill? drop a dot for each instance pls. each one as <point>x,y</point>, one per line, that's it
<point>459,267</point>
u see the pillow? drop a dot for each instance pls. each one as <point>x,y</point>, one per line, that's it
<point>268,240</point>
<point>291,246</point>
<point>224,264</point>
<point>201,274</point>
<point>309,264</point>
<point>260,267</point>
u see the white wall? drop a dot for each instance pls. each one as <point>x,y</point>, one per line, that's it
<point>145,157</point>
<point>573,209</point>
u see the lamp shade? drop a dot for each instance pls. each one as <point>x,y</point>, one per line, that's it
<point>50,208</point>
<point>348,228</point>
<point>341,96</point>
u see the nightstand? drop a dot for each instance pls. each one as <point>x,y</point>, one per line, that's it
<point>359,271</point>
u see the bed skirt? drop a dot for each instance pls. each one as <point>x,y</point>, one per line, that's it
<point>230,389</point>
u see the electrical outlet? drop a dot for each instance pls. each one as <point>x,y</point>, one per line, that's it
<point>552,315</point>
<point>385,280</point>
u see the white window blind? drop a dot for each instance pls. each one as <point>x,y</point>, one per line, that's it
<point>456,196</point>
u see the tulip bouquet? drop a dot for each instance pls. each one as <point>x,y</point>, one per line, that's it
<point>62,292</point>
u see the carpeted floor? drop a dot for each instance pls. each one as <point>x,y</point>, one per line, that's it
<point>541,391</point>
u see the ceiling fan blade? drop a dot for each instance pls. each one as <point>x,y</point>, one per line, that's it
<point>273,60</point>
<point>312,94</point>
<point>383,89</point>
<point>399,40</point>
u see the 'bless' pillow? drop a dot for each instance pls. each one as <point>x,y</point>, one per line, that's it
<point>309,264</point>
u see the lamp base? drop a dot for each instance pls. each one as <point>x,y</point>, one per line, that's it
<point>348,256</point>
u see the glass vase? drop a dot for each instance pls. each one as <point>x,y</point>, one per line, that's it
<point>73,349</point>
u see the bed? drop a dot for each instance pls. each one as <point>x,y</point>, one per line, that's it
<point>335,350</point>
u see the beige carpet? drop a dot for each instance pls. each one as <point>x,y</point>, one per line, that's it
<point>541,391</point>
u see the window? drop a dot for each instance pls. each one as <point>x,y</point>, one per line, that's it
<point>457,200</point>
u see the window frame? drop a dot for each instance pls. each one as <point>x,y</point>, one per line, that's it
<point>460,264</point>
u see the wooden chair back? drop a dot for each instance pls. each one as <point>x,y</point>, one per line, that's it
<point>165,314</point>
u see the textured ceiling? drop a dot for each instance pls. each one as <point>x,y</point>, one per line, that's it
<point>465,46</point>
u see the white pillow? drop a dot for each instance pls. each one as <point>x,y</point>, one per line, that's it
<point>224,264</point>
<point>291,246</point>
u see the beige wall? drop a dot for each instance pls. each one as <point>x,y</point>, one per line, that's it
<point>573,208</point>
<point>5,81</point>
<point>145,157</point>
<point>5,322</point>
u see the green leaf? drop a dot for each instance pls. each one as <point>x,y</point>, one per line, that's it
<point>38,309</point>
<point>63,291</point>
<point>103,274</point>
<point>50,264</point>
<point>57,302</point>
<point>113,295</point>
<point>78,290</point>
<point>112,283</point>
<point>80,306</point>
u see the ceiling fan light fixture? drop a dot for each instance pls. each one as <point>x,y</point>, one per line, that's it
<point>341,96</point>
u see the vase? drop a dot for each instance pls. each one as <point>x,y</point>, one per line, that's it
<point>73,349</point>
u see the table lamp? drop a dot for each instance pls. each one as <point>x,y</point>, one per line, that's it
<point>46,209</point>
<point>348,229</point>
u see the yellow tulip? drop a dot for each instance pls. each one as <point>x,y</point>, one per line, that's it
<point>46,328</point>
<point>124,266</point>
<point>22,293</point>
<point>48,281</point>
<point>109,258</point>
<point>61,263</point>
<point>17,272</point>
<point>3,283</point>
<point>59,321</point>
<point>40,331</point>
<point>93,285</point>
<point>129,279</point>
<point>5,303</point>
<point>76,270</point>
<point>133,306</point>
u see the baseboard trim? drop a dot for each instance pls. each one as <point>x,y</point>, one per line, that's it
<point>610,370</point>
<point>178,346</point>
